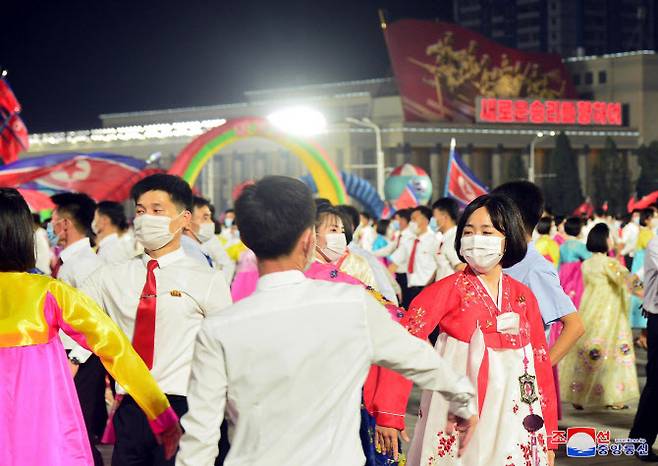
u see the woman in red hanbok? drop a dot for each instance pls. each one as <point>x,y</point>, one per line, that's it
<point>492,331</point>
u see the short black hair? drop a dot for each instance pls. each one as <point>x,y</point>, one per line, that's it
<point>16,233</point>
<point>272,214</point>
<point>198,202</point>
<point>78,207</point>
<point>449,206</point>
<point>600,212</point>
<point>645,216</point>
<point>345,213</point>
<point>366,215</point>
<point>321,202</point>
<point>352,215</point>
<point>229,211</point>
<point>597,239</point>
<point>559,219</point>
<point>528,199</point>
<point>544,225</point>
<point>423,209</point>
<point>115,212</point>
<point>506,218</point>
<point>405,214</point>
<point>573,226</point>
<point>177,188</point>
<point>382,226</point>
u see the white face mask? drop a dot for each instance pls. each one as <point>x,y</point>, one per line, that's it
<point>94,227</point>
<point>482,253</point>
<point>153,231</point>
<point>413,228</point>
<point>336,246</point>
<point>206,232</point>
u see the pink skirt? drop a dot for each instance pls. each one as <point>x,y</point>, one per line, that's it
<point>571,279</point>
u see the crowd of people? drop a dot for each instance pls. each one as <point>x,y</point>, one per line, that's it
<point>290,331</point>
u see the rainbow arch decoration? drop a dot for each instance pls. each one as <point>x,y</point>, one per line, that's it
<point>196,154</point>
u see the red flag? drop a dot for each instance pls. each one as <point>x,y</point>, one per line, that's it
<point>13,138</point>
<point>13,133</point>
<point>8,102</point>
<point>461,184</point>
<point>441,69</point>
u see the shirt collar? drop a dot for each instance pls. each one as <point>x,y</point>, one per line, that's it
<point>75,248</point>
<point>165,260</point>
<point>279,279</point>
<point>108,239</point>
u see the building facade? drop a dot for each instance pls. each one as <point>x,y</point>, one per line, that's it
<point>567,27</point>
<point>488,148</point>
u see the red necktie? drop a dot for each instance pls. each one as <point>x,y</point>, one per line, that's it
<point>412,258</point>
<point>55,271</point>
<point>144,336</point>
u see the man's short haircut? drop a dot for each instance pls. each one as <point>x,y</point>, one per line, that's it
<point>115,212</point>
<point>382,226</point>
<point>16,233</point>
<point>272,215</point>
<point>77,207</point>
<point>599,212</point>
<point>424,210</point>
<point>366,215</point>
<point>405,214</point>
<point>449,206</point>
<point>198,202</point>
<point>177,188</point>
<point>528,199</point>
<point>506,218</point>
<point>544,225</point>
<point>597,238</point>
<point>573,226</point>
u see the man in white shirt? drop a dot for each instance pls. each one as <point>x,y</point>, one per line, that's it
<point>230,233</point>
<point>202,233</point>
<point>109,224</point>
<point>418,254</point>
<point>42,252</point>
<point>288,363</point>
<point>629,234</point>
<point>404,236</point>
<point>70,228</point>
<point>159,300</point>
<point>446,213</point>
<point>364,233</point>
<point>645,425</point>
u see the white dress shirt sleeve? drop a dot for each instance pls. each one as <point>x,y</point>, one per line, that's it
<point>395,348</point>
<point>206,399</point>
<point>91,288</point>
<point>401,254</point>
<point>218,296</point>
<point>386,250</point>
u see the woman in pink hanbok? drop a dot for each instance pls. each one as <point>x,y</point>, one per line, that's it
<point>40,419</point>
<point>572,254</point>
<point>492,332</point>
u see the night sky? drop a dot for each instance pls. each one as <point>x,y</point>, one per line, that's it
<point>71,60</point>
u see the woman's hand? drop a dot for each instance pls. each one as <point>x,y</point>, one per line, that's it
<point>386,440</point>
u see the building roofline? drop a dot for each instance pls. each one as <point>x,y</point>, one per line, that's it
<point>609,55</point>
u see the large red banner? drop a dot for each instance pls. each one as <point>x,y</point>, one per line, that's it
<point>441,69</point>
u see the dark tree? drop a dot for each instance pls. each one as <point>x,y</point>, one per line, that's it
<point>611,178</point>
<point>562,187</point>
<point>648,160</point>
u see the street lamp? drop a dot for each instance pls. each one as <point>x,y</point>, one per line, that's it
<point>299,121</point>
<point>531,165</point>
<point>368,123</point>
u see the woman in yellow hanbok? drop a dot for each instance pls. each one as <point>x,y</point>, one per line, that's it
<point>600,369</point>
<point>40,419</point>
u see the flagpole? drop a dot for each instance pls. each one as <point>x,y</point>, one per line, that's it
<point>451,158</point>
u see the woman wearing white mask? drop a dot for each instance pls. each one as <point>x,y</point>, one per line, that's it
<point>492,331</point>
<point>331,246</point>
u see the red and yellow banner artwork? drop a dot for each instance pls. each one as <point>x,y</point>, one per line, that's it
<point>552,112</point>
<point>441,69</point>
